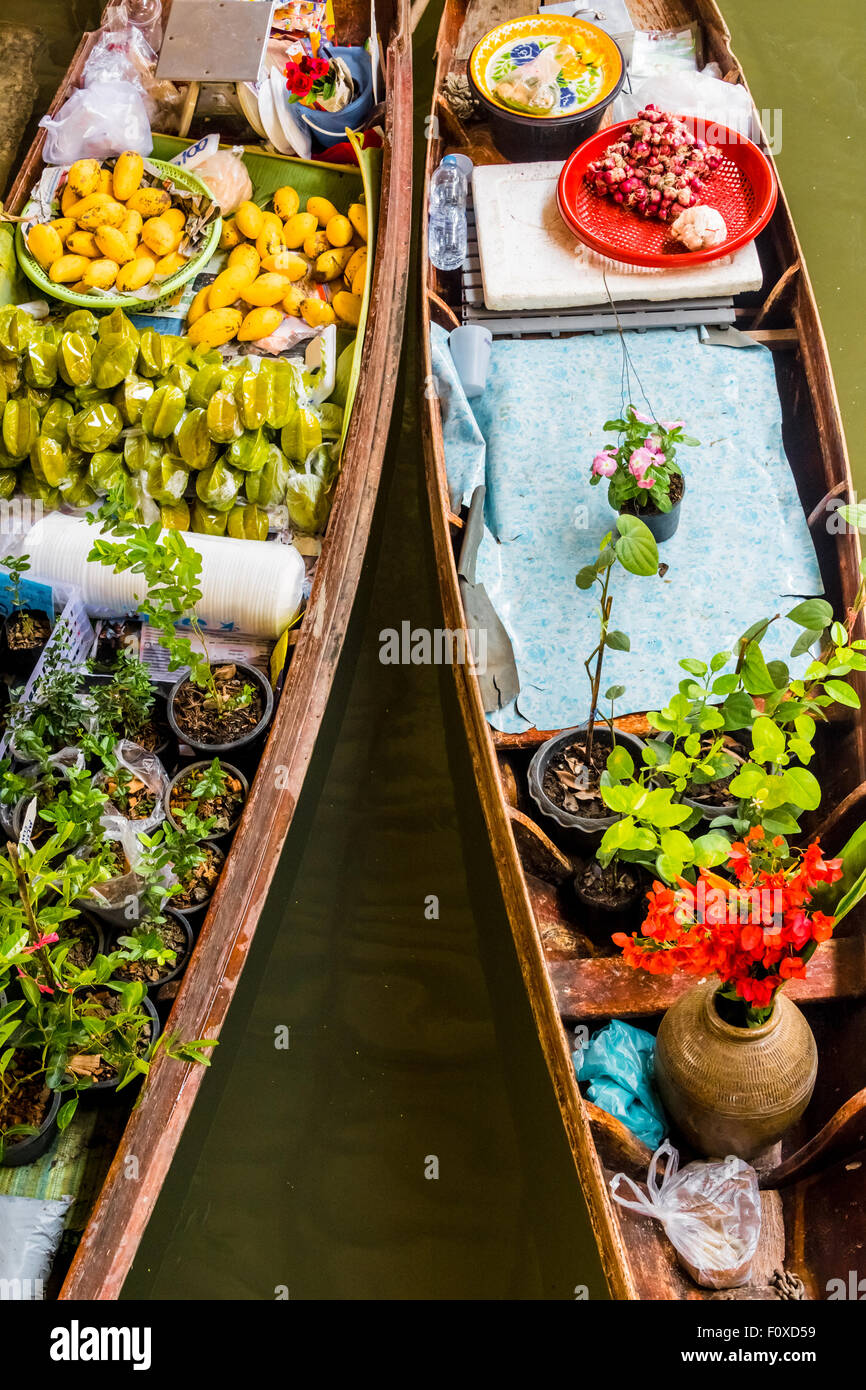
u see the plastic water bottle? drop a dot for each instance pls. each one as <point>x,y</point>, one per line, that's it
<point>447,225</point>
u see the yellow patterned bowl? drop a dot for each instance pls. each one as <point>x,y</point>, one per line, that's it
<point>544,82</point>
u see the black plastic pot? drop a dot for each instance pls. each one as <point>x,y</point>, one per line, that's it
<point>32,1146</point>
<point>20,661</point>
<point>251,674</point>
<point>523,139</point>
<point>709,810</point>
<point>586,829</point>
<point>191,767</point>
<point>662,524</point>
<point>111,1083</point>
<point>183,958</point>
<point>194,914</point>
<point>601,922</point>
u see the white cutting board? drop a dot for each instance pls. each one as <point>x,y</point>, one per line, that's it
<point>530,259</point>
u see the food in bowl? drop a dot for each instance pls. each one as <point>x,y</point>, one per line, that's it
<point>699,228</point>
<point>656,168</point>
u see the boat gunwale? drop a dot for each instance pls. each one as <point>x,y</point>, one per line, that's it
<point>623,1279</point>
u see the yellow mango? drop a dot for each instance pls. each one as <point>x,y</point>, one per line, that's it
<point>315,245</point>
<point>170,264</point>
<point>127,176</point>
<point>298,228</point>
<point>107,214</point>
<point>246,255</point>
<point>63,226</point>
<point>105,183</point>
<point>44,244</point>
<point>265,291</point>
<point>339,231</point>
<point>259,323</point>
<point>83,176</point>
<point>322,209</point>
<point>160,236</point>
<point>230,235</point>
<point>68,268</point>
<point>145,251</point>
<point>286,202</point>
<point>359,281</point>
<point>199,305</point>
<point>317,313</point>
<point>135,274</point>
<point>227,287</point>
<point>292,301</point>
<point>113,244</point>
<point>150,202</point>
<point>131,226</point>
<point>249,218</point>
<point>101,274</point>
<point>287,263</point>
<point>347,307</point>
<point>269,241</point>
<point>216,327</point>
<point>358,218</point>
<point>175,217</point>
<point>68,199</point>
<point>80,287</point>
<point>357,261</point>
<point>331,264</point>
<point>83,244</point>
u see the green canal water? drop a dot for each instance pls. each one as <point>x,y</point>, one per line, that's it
<point>406,1144</point>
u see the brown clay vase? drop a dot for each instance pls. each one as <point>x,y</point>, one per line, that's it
<point>733,1090</point>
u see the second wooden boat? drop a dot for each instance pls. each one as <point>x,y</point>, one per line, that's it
<point>813,1195</point>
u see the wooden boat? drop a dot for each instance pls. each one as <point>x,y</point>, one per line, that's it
<point>813,1199</point>
<point>117,1209</point>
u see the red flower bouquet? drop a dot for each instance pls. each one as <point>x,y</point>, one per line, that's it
<point>755,931</point>
<point>308,77</point>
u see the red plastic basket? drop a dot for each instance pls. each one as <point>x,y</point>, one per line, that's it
<point>743,189</point>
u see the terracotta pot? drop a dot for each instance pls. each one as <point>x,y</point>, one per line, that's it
<point>733,1090</point>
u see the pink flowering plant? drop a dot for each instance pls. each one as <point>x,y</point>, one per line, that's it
<point>640,469</point>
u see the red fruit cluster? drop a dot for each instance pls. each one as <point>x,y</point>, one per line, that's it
<point>657,168</point>
<point>755,932</point>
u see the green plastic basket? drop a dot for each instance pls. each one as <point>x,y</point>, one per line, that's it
<point>33,270</point>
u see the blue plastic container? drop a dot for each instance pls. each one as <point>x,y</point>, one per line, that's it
<point>329,127</point>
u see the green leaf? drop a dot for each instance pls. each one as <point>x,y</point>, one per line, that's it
<point>65,1113</point>
<point>668,868</point>
<point>805,642</point>
<point>620,763</point>
<point>585,577</point>
<point>854,513</point>
<point>636,548</point>
<point>677,845</point>
<point>719,660</point>
<point>618,641</point>
<point>747,782</point>
<point>778,674</point>
<point>739,711</point>
<point>843,693</point>
<point>813,613</point>
<point>756,676</point>
<point>614,692</point>
<point>711,849</point>
<point>693,666</point>
<point>767,739</point>
<point>802,788</point>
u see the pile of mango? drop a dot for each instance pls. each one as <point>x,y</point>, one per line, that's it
<point>273,258</point>
<point>92,405</point>
<point>113,232</point>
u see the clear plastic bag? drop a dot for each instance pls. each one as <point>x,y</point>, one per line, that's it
<point>146,768</point>
<point>228,179</point>
<point>123,54</point>
<point>711,1212</point>
<point>97,122</point>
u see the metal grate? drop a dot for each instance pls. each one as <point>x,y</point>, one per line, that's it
<point>593,318</point>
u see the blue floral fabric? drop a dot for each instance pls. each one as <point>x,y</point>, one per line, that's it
<point>742,551</point>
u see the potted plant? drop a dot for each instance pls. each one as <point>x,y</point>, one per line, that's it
<point>126,704</point>
<point>182,859</point>
<point>565,773</point>
<point>215,708</point>
<point>735,1060</point>
<point>25,630</point>
<point>331,93</point>
<point>645,478</point>
<point>156,951</point>
<point>214,791</point>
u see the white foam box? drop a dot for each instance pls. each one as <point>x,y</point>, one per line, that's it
<point>531,260</point>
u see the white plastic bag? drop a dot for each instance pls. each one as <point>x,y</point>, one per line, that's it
<point>147,769</point>
<point>697,94</point>
<point>97,122</point>
<point>711,1212</point>
<point>228,179</point>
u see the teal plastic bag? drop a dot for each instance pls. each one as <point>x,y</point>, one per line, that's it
<point>617,1062</point>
